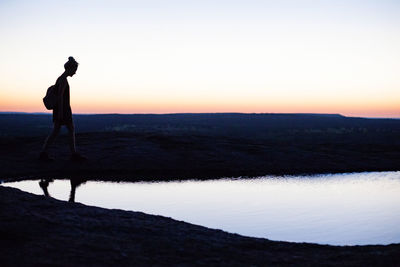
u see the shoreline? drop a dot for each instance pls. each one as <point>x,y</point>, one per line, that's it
<point>163,176</point>
<point>154,178</point>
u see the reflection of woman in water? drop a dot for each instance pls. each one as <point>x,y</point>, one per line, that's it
<point>62,114</point>
<point>75,182</point>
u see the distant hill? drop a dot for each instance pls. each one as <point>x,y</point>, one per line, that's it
<point>240,124</point>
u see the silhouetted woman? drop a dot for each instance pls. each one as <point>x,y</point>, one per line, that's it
<point>62,114</point>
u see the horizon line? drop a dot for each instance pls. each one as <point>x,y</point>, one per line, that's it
<point>188,113</point>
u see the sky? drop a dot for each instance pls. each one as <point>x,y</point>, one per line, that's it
<point>250,56</point>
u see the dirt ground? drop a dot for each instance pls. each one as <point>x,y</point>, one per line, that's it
<point>200,146</point>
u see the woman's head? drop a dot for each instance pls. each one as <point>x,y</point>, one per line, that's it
<point>71,66</point>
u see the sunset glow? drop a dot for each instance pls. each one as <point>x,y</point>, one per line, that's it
<point>208,56</point>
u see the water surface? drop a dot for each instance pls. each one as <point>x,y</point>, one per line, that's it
<point>339,209</point>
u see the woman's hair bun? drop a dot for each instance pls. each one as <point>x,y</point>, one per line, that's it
<point>71,63</point>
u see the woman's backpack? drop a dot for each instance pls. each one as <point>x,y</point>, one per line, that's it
<point>50,99</point>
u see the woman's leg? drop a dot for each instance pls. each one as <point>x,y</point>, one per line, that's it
<point>50,139</point>
<point>71,133</point>
<point>74,155</point>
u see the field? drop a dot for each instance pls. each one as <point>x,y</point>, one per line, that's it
<point>201,146</point>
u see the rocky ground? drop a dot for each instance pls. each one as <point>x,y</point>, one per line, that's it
<point>200,146</point>
<point>133,156</point>
<point>40,231</point>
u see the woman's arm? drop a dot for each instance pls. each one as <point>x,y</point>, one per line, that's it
<point>60,98</point>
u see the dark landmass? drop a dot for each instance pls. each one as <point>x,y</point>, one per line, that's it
<point>200,146</point>
<point>40,231</point>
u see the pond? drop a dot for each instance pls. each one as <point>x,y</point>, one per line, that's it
<point>337,209</point>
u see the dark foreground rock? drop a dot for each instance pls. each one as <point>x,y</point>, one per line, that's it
<point>39,231</point>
